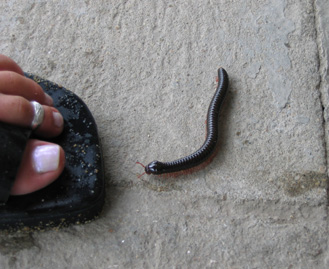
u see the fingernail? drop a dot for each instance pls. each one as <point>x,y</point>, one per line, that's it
<point>46,158</point>
<point>48,101</point>
<point>58,119</point>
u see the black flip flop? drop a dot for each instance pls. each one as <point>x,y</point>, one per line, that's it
<point>77,196</point>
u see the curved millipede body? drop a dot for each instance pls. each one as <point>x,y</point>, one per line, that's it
<point>209,145</point>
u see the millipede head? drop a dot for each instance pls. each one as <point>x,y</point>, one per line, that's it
<point>154,168</point>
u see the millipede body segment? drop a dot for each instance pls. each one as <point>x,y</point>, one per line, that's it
<point>208,148</point>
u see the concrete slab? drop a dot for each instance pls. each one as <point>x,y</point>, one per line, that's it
<point>147,71</point>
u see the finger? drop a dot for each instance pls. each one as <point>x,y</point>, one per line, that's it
<point>19,111</point>
<point>15,84</point>
<point>41,164</point>
<point>9,65</point>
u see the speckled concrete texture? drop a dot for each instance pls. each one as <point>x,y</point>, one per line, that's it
<point>147,70</point>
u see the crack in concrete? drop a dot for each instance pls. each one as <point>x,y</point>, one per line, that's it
<point>323,98</point>
<point>320,87</point>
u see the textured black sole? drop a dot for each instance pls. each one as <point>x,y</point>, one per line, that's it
<point>78,195</point>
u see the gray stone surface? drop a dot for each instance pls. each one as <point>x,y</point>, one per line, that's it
<point>147,71</point>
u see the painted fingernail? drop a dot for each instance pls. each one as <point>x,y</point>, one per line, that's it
<point>58,119</point>
<point>48,101</point>
<point>46,158</point>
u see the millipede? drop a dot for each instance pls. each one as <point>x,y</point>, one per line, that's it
<point>207,150</point>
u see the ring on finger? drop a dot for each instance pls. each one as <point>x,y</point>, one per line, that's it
<point>39,114</point>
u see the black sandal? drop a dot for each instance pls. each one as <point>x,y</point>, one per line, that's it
<point>77,196</point>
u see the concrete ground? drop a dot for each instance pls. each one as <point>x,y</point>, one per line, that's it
<point>147,71</point>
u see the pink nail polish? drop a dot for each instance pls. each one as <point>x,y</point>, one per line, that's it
<point>49,101</point>
<point>46,158</point>
<point>58,119</point>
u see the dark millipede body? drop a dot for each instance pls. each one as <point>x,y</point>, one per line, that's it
<point>209,146</point>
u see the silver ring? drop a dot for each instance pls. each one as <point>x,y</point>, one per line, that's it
<point>39,114</point>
